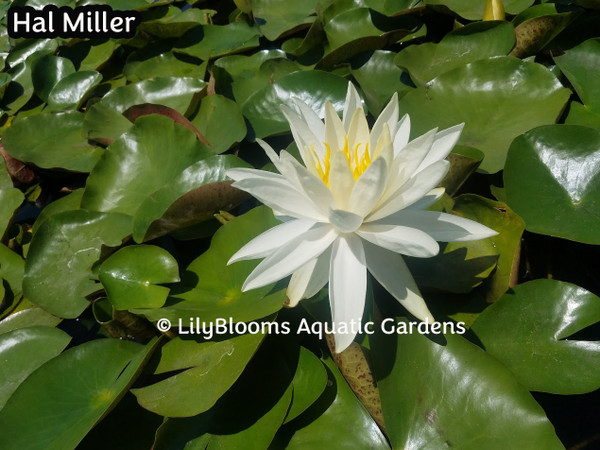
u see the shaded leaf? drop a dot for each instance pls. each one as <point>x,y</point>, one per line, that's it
<point>71,91</point>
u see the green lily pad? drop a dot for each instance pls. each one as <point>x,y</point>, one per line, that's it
<point>164,64</point>
<point>23,351</point>
<point>193,196</point>
<point>104,119</point>
<point>61,401</point>
<point>337,416</point>
<point>52,140</point>
<point>453,394</point>
<point>528,330</point>
<point>12,268</point>
<point>503,98</point>
<point>176,22</point>
<point>90,54</point>
<point>578,65</point>
<point>205,371</point>
<point>500,218</point>
<point>551,180</point>
<point>153,152</point>
<point>19,90</point>
<point>378,78</point>
<point>71,91</point>
<point>313,87</point>
<point>69,243</point>
<point>220,121</point>
<point>209,41</point>
<point>130,276</point>
<point>28,47</point>
<point>211,289</point>
<point>30,317</point>
<point>274,17</point>
<point>10,197</point>
<point>69,202</point>
<point>470,43</point>
<point>47,71</point>
<point>463,162</point>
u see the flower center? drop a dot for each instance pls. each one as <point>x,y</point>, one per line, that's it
<point>358,160</point>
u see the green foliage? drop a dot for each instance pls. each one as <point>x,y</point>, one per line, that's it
<point>118,220</point>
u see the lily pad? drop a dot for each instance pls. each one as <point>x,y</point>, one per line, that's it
<point>47,71</point>
<point>22,351</point>
<point>130,276</point>
<point>453,394</point>
<point>274,17</point>
<point>52,140</point>
<point>69,242</point>
<point>209,41</point>
<point>313,87</point>
<point>143,160</point>
<point>470,43</point>
<point>10,197</point>
<point>19,90</point>
<point>552,180</point>
<point>12,269</point>
<point>473,9</point>
<point>205,371</point>
<point>30,317</point>
<point>503,98</point>
<point>528,330</point>
<point>211,289</point>
<point>104,119</point>
<point>71,91</point>
<point>61,401</point>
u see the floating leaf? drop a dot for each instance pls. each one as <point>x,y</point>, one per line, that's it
<point>52,140</point>
<point>12,268</point>
<point>473,9</point>
<point>528,330</point>
<point>552,180</point>
<point>130,276</point>
<point>470,43</point>
<point>205,371</point>
<point>497,98</point>
<point>209,41</point>
<point>30,317</point>
<point>22,351</point>
<point>10,198</point>
<point>69,243</point>
<point>153,152</point>
<point>104,119</point>
<point>211,289</point>
<point>61,401</point>
<point>453,394</point>
<point>47,71</point>
<point>312,87</point>
<point>533,34</point>
<point>165,64</point>
<point>19,90</point>
<point>274,17</point>
<point>71,91</point>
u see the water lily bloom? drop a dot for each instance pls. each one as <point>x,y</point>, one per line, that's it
<point>358,203</point>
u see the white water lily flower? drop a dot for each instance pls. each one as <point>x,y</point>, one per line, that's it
<point>358,203</point>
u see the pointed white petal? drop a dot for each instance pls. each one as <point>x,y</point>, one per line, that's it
<point>281,196</point>
<point>415,189</point>
<point>402,134</point>
<point>388,116</point>
<point>353,102</point>
<point>311,119</point>
<point>341,180</point>
<point>347,286</point>
<point>309,279</point>
<point>246,174</point>
<point>368,188</point>
<point>444,142</point>
<point>441,226</point>
<point>358,133</point>
<point>269,241</point>
<point>304,138</point>
<point>390,270</point>
<point>335,134</point>
<point>430,198</point>
<point>291,257</point>
<point>344,221</point>
<point>400,239</point>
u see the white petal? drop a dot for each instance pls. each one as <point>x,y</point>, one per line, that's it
<point>335,134</point>
<point>415,189</point>
<point>402,135</point>
<point>245,174</point>
<point>281,196</point>
<point>291,257</point>
<point>441,226</point>
<point>311,118</point>
<point>444,142</point>
<point>269,241</point>
<point>390,270</point>
<point>309,279</point>
<point>358,132</point>
<point>304,138</point>
<point>347,286</point>
<point>368,188</point>
<point>341,180</point>
<point>344,221</point>
<point>430,198</point>
<point>353,102</point>
<point>400,239</point>
<point>388,116</point>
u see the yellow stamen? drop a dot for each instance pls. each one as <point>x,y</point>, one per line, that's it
<point>358,164</point>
